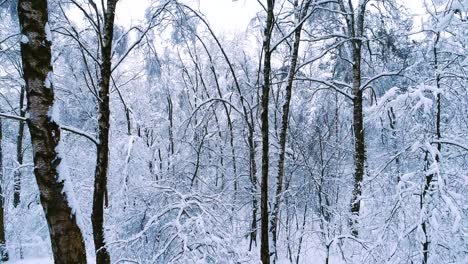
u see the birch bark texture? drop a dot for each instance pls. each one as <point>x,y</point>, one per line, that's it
<point>66,238</point>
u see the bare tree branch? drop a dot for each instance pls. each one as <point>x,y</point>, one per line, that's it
<point>65,128</point>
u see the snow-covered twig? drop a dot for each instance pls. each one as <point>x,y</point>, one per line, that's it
<point>65,128</point>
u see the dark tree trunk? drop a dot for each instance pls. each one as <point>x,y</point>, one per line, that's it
<point>284,126</point>
<point>19,153</point>
<point>264,246</point>
<point>254,182</point>
<point>355,30</point>
<point>359,143</point>
<point>3,249</point>
<point>427,185</point>
<point>65,235</point>
<point>100,198</point>
<point>171,125</point>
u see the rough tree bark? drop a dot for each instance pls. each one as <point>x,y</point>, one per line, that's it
<point>264,245</point>
<point>100,198</point>
<point>3,249</point>
<point>65,235</point>
<point>355,26</point>
<point>285,122</point>
<point>359,141</point>
<point>19,153</point>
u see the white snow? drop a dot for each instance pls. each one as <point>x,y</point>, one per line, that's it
<point>54,113</point>
<point>63,171</point>
<point>48,32</point>
<point>40,260</point>
<point>444,22</point>
<point>24,39</point>
<point>49,80</point>
<point>32,261</point>
<point>68,190</point>
<point>422,101</point>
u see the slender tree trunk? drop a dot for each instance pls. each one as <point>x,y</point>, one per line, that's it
<point>429,178</point>
<point>303,227</point>
<point>253,181</point>
<point>359,143</point>
<point>171,124</point>
<point>422,200</point>
<point>65,235</point>
<point>284,127</point>
<point>100,198</point>
<point>264,246</point>
<point>19,153</point>
<point>393,127</point>
<point>356,29</point>
<point>3,249</point>
<point>170,154</point>
<point>327,257</point>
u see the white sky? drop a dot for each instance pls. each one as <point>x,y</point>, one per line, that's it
<point>223,15</point>
<point>229,15</point>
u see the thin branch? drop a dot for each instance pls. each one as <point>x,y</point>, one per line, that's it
<point>65,128</point>
<point>80,132</point>
<point>329,84</point>
<point>14,117</point>
<point>384,74</point>
<point>143,34</point>
<point>450,142</point>
<point>304,19</point>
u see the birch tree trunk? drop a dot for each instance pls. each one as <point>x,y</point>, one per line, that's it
<point>65,235</point>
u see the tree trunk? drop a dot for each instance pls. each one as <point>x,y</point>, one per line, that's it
<point>253,181</point>
<point>3,249</point>
<point>264,246</point>
<point>19,153</point>
<point>100,198</point>
<point>65,235</point>
<point>429,178</point>
<point>359,144</point>
<point>284,127</point>
<point>356,29</point>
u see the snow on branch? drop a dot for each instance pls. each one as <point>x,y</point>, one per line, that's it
<point>184,228</point>
<point>381,75</point>
<point>65,128</point>
<point>329,84</point>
